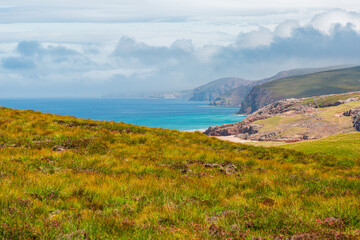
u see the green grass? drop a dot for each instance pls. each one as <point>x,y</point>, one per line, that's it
<point>316,84</point>
<point>272,123</point>
<point>342,146</point>
<point>68,178</point>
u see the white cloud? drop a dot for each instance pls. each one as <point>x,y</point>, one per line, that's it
<point>254,39</point>
<point>91,59</point>
<point>326,21</point>
<point>285,29</point>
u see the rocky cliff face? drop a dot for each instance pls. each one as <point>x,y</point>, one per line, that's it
<point>257,98</point>
<point>213,90</point>
<point>233,98</point>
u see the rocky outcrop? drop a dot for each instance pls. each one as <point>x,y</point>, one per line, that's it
<point>355,113</point>
<point>356,122</point>
<point>299,119</point>
<point>245,126</point>
<point>337,103</point>
<point>352,112</point>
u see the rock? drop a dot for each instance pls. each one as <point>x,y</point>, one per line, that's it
<point>229,169</point>
<point>337,103</point>
<point>268,201</point>
<point>268,137</point>
<point>184,171</point>
<point>355,113</point>
<point>352,112</point>
<point>216,230</point>
<point>356,122</point>
<point>59,149</point>
<point>209,165</point>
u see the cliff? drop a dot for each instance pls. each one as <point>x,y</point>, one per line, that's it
<point>214,89</point>
<point>233,98</point>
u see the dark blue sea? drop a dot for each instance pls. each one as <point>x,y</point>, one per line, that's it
<point>164,113</point>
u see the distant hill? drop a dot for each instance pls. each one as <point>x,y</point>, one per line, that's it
<point>211,91</point>
<point>184,94</point>
<point>236,96</point>
<point>315,84</point>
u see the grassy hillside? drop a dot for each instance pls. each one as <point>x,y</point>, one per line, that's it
<point>316,84</point>
<point>68,178</point>
<point>235,97</point>
<point>344,146</point>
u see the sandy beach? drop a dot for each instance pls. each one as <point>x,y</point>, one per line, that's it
<point>232,138</point>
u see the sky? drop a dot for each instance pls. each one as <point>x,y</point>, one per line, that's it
<point>130,48</point>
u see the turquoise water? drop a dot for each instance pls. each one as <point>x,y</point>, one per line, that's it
<point>164,113</point>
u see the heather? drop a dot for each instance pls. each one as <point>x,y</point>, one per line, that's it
<point>68,178</point>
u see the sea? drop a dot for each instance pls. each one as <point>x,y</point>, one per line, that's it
<point>164,113</point>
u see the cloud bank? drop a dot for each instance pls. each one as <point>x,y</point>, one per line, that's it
<point>131,67</point>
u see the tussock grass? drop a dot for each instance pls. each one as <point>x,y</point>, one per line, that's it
<point>68,178</point>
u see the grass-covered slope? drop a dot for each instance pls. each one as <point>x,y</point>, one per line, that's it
<point>68,178</point>
<point>328,82</point>
<point>316,84</point>
<point>344,146</point>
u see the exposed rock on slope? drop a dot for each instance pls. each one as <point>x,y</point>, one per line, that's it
<point>214,89</point>
<point>298,119</point>
<point>233,98</point>
<point>315,84</point>
<point>355,113</point>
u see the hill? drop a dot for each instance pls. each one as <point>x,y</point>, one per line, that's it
<point>301,119</point>
<point>236,96</point>
<point>68,178</point>
<point>211,91</point>
<point>315,84</point>
<point>184,94</point>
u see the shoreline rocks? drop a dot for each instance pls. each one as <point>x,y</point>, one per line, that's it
<point>310,125</point>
